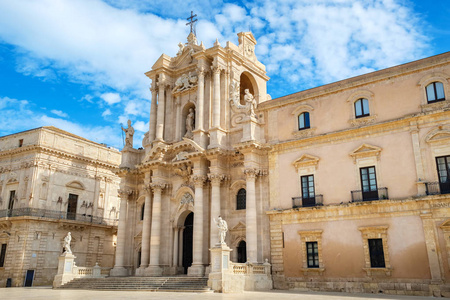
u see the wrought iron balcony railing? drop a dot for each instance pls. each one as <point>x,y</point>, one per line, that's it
<point>54,214</point>
<point>378,194</point>
<point>307,202</point>
<point>437,188</point>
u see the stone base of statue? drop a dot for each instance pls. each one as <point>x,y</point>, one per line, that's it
<point>118,272</point>
<point>251,129</point>
<point>200,137</point>
<point>216,137</point>
<point>66,267</point>
<point>221,278</point>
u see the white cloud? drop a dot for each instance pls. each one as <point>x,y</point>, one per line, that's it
<point>107,112</point>
<point>111,98</point>
<point>59,113</point>
<point>141,126</point>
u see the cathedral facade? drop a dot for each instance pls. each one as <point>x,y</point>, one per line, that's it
<point>343,187</point>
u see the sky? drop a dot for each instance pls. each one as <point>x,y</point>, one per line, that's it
<point>79,64</point>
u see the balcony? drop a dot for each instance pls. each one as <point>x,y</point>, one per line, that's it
<point>307,202</point>
<point>54,214</point>
<point>378,194</point>
<point>437,188</point>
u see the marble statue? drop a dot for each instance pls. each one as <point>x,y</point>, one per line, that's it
<point>129,132</point>
<point>223,228</point>
<point>67,241</point>
<point>181,46</point>
<point>250,101</point>
<point>190,118</point>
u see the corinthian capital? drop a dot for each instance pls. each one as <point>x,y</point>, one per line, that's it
<point>158,187</point>
<point>201,71</point>
<point>199,180</point>
<point>147,189</point>
<point>251,173</point>
<point>215,178</point>
<point>124,193</point>
<point>216,69</point>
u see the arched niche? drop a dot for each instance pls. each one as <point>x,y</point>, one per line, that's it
<point>184,114</point>
<point>247,81</point>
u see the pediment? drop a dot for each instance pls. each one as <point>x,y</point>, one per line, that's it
<point>445,225</point>
<point>306,160</point>
<point>365,150</point>
<point>184,60</point>
<point>162,61</point>
<point>437,136</point>
<point>239,227</point>
<point>75,185</point>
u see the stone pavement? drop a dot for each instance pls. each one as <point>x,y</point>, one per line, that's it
<point>46,293</point>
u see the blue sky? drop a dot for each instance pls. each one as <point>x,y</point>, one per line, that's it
<point>79,65</point>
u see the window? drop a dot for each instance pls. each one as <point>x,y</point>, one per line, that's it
<point>308,196</point>
<point>303,121</point>
<point>435,92</point>
<point>20,143</point>
<point>242,252</point>
<point>369,183</point>
<point>142,211</point>
<point>443,168</point>
<point>362,108</point>
<point>312,251</point>
<point>241,199</point>
<point>2,255</point>
<point>376,253</point>
<point>72,207</point>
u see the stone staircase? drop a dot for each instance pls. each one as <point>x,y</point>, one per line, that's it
<point>154,284</point>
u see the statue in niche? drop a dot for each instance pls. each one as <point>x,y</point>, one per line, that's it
<point>67,241</point>
<point>190,121</point>
<point>251,102</point>
<point>223,228</point>
<point>129,132</point>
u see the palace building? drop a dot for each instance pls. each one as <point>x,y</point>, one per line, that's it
<point>53,182</point>
<point>343,187</point>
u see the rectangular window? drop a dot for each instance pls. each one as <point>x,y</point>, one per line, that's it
<point>2,255</point>
<point>443,168</point>
<point>369,183</point>
<point>376,253</point>
<point>72,207</point>
<point>312,252</point>
<point>20,143</point>
<point>308,195</point>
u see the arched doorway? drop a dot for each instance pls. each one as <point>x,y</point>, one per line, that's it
<point>242,252</point>
<point>187,241</point>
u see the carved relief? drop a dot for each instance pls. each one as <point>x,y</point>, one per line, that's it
<point>185,82</point>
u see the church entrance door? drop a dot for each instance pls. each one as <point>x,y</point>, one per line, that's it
<point>242,252</point>
<point>187,241</point>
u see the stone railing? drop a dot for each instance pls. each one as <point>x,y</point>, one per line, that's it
<point>247,268</point>
<point>94,272</point>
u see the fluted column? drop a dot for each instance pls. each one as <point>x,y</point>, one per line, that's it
<point>216,180</point>
<point>178,119</point>
<point>250,216</point>
<point>176,229</point>
<point>216,100</point>
<point>119,269</point>
<point>153,107</point>
<point>155,240</point>
<point>197,240</point>
<point>200,98</point>
<point>145,247</point>
<point>161,109</point>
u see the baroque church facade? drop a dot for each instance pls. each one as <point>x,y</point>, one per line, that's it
<point>53,182</point>
<point>342,187</point>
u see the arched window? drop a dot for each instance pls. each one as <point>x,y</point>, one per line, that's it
<point>362,108</point>
<point>142,211</point>
<point>435,92</point>
<point>303,121</point>
<point>241,199</point>
<point>242,252</point>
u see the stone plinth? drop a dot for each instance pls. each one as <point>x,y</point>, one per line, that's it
<point>221,277</point>
<point>66,267</point>
<point>251,129</point>
<point>118,272</point>
<point>153,271</point>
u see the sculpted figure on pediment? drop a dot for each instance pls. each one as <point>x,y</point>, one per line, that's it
<point>185,82</point>
<point>181,46</point>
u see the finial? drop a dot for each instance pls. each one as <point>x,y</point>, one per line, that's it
<point>217,42</point>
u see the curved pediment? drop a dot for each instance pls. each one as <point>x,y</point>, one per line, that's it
<point>437,135</point>
<point>179,151</point>
<point>75,185</point>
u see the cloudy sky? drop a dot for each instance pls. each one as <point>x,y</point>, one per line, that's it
<point>79,64</point>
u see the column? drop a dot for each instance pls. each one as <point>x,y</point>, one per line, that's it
<point>155,240</point>
<point>118,269</point>
<point>421,189</point>
<point>145,246</point>
<point>178,119</point>
<point>200,98</point>
<point>161,109</point>
<point>216,100</point>
<point>180,246</point>
<point>153,107</point>
<point>176,229</point>
<point>250,216</point>
<point>432,244</point>
<point>216,180</point>
<point>197,268</point>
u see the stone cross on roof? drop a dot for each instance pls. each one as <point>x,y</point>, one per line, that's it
<point>191,21</point>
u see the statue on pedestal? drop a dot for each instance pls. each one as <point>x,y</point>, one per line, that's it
<point>67,241</point>
<point>129,132</point>
<point>223,228</point>
<point>250,101</point>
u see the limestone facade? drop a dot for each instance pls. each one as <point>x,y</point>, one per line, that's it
<point>53,182</point>
<point>336,186</point>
